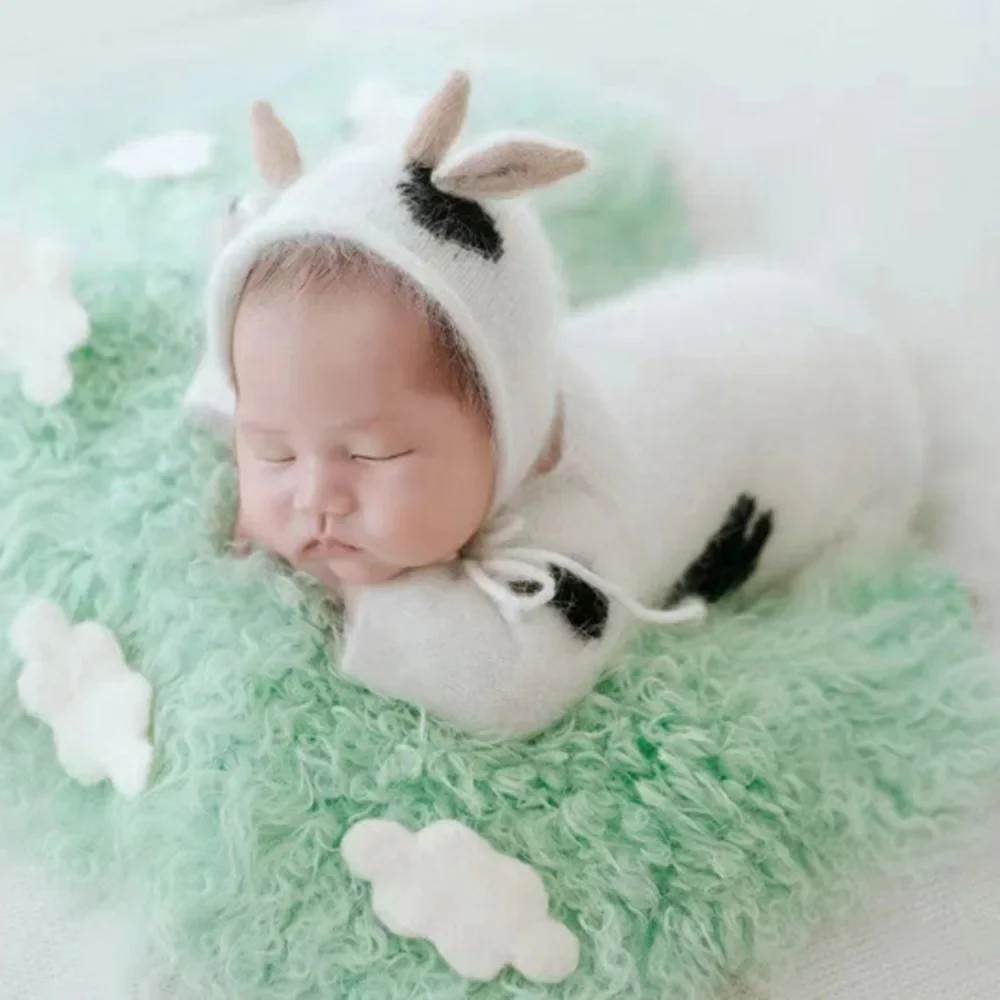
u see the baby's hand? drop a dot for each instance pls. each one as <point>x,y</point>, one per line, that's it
<point>435,639</point>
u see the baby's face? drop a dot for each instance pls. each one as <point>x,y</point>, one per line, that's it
<point>357,459</point>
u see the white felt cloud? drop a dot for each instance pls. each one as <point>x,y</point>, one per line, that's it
<point>481,909</point>
<point>174,154</point>
<point>382,113</point>
<point>76,681</point>
<point>41,322</point>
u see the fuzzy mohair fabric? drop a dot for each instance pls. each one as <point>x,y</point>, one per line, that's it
<point>722,790</point>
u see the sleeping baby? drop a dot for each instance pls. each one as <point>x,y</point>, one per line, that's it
<point>501,494</point>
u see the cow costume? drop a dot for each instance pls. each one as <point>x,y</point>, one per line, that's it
<point>714,430</point>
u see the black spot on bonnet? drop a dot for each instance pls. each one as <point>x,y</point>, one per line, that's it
<point>445,199</point>
<point>447,217</point>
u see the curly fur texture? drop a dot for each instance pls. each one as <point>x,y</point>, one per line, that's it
<point>716,795</point>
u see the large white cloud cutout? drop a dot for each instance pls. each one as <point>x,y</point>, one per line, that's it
<point>481,909</point>
<point>41,322</point>
<point>171,155</point>
<point>75,680</point>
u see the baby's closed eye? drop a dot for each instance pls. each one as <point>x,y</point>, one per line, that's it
<point>382,456</point>
<point>275,454</point>
<point>268,447</point>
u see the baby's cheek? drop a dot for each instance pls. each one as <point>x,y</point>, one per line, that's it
<point>413,523</point>
<point>265,517</point>
<point>383,511</point>
<point>388,513</point>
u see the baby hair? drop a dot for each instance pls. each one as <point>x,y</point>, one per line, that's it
<point>299,267</point>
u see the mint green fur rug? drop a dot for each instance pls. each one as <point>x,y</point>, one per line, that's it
<point>723,789</point>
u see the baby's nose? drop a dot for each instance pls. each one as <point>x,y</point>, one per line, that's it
<point>322,492</point>
<point>341,504</point>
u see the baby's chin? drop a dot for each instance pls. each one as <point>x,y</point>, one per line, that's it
<point>356,573</point>
<point>352,571</point>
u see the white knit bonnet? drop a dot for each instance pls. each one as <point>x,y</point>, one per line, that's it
<point>452,223</point>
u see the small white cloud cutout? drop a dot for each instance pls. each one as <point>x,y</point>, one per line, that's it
<point>76,681</point>
<point>481,909</point>
<point>41,322</point>
<point>380,112</point>
<point>171,155</point>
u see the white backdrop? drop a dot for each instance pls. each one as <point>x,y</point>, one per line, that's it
<point>860,135</point>
<point>55,945</point>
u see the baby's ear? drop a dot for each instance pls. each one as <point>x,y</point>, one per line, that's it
<point>510,167</point>
<point>275,150</point>
<point>553,454</point>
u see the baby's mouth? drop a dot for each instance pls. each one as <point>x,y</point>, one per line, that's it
<point>329,548</point>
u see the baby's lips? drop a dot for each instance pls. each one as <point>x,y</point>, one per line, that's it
<point>332,549</point>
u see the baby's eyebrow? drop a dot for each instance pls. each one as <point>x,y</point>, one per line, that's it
<point>257,428</point>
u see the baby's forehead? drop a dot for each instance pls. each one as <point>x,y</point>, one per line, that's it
<point>328,275</point>
<point>352,343</point>
<point>341,308</point>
